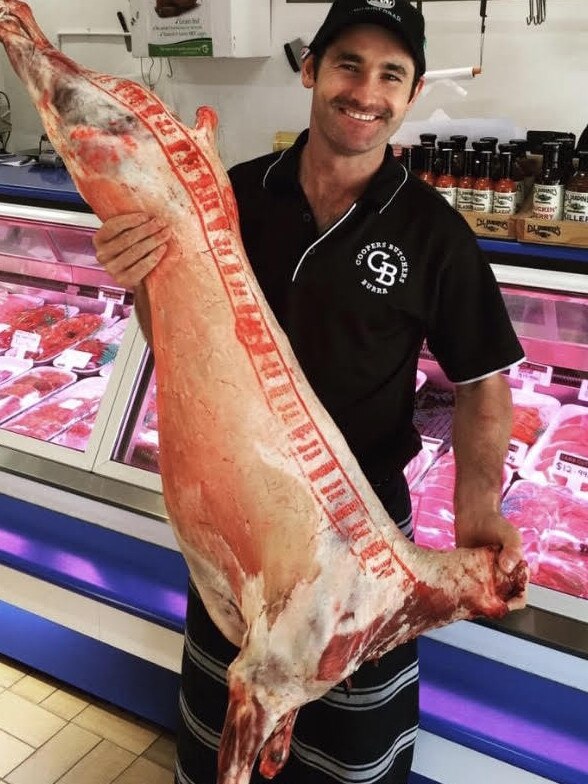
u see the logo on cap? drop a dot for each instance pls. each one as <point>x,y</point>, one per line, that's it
<point>386,4</point>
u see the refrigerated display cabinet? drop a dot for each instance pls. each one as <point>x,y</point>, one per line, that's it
<point>92,586</point>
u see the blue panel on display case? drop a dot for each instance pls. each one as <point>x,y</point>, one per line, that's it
<point>558,252</point>
<point>35,182</point>
<point>514,716</point>
<point>136,576</point>
<point>90,665</point>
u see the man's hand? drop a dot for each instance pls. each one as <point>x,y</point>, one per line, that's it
<point>481,430</point>
<point>492,529</point>
<point>130,246</point>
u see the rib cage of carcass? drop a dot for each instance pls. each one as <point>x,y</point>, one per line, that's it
<point>294,556</point>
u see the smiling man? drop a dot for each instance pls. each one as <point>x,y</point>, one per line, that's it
<point>360,263</point>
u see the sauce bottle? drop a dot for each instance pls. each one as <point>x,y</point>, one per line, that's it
<point>525,163</point>
<point>446,184</point>
<point>406,158</point>
<point>478,149</point>
<point>443,144</point>
<point>576,196</point>
<point>490,142</point>
<point>505,189</point>
<point>465,184</point>
<point>428,173</point>
<point>566,154</point>
<point>459,157</point>
<point>516,171</point>
<point>428,139</point>
<point>483,195</point>
<point>548,191</point>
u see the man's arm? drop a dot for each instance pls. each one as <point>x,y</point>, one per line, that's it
<point>481,432</point>
<point>129,247</point>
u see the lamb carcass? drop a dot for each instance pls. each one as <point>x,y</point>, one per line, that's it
<point>294,556</point>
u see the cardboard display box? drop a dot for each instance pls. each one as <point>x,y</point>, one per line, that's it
<point>492,224</point>
<point>571,233</point>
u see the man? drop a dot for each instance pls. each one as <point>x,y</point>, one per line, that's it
<point>360,262</point>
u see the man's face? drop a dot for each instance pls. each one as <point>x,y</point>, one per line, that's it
<point>361,92</point>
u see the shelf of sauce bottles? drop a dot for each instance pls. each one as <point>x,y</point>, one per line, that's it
<point>497,178</point>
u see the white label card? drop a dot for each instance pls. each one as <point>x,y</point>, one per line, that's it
<point>573,467</point>
<point>582,394</point>
<point>71,405</point>
<point>517,451</point>
<point>532,371</point>
<point>73,359</point>
<point>22,342</point>
<point>4,327</point>
<point>111,297</point>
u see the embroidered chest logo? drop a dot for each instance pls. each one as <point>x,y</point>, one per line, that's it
<point>384,265</point>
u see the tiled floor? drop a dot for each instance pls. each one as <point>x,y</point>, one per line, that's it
<point>52,734</point>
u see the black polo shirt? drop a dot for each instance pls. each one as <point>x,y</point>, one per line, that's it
<point>357,301</point>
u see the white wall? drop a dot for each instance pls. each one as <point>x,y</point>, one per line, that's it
<point>535,76</point>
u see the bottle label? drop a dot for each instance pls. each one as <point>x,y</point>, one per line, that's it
<point>482,201</point>
<point>449,194</point>
<point>505,203</point>
<point>464,199</point>
<point>548,202</point>
<point>576,206</point>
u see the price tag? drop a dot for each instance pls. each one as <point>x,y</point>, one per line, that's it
<point>71,405</point>
<point>574,468</point>
<point>517,451</point>
<point>22,342</point>
<point>582,394</point>
<point>4,327</point>
<point>73,359</point>
<point>532,373</point>
<point>111,297</point>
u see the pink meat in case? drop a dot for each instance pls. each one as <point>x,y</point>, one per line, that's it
<point>77,435</point>
<point>61,411</point>
<point>553,522</point>
<point>13,304</point>
<point>11,367</point>
<point>31,388</point>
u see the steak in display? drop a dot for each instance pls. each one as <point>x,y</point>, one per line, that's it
<point>293,554</point>
<point>553,522</point>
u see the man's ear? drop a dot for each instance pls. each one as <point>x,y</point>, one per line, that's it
<point>417,90</point>
<point>307,71</point>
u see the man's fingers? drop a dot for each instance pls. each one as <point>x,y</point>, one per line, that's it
<point>512,550</point>
<point>134,274</point>
<point>141,245</point>
<point>112,227</point>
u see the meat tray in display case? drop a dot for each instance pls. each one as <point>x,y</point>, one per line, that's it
<point>65,330</point>
<point>545,476</point>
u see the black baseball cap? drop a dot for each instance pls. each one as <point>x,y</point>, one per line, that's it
<point>399,16</point>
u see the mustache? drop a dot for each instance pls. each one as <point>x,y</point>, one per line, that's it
<point>355,106</point>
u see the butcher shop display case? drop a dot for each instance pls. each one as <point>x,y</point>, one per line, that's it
<point>545,476</point>
<point>65,336</point>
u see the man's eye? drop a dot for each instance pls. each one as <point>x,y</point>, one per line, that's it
<point>349,66</point>
<point>392,78</point>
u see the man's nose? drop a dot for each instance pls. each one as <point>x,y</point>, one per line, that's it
<point>365,90</point>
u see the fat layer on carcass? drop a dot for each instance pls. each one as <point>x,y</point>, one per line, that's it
<point>293,554</point>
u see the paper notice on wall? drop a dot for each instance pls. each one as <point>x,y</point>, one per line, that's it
<point>172,28</point>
